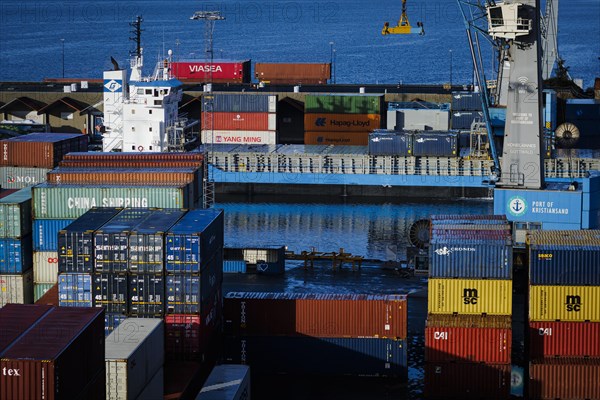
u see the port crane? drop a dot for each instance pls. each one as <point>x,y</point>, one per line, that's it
<point>403,26</point>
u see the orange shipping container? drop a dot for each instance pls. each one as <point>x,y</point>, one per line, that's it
<point>339,138</point>
<point>343,122</point>
<point>116,176</point>
<point>129,164</point>
<point>307,73</point>
<point>126,156</point>
<point>40,150</point>
<point>226,121</point>
<point>564,378</point>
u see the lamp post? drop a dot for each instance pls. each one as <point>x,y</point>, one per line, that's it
<point>63,57</point>
<point>331,57</point>
<point>334,65</point>
<point>450,68</point>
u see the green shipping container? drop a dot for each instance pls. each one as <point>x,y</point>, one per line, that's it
<point>15,214</point>
<point>40,289</point>
<point>344,104</point>
<point>72,201</point>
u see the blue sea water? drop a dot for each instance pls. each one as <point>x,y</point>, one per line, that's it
<point>267,31</point>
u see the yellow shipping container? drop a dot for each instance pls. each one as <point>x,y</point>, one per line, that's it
<point>564,303</point>
<point>469,296</point>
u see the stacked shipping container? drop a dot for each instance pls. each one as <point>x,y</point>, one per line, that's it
<point>16,258</point>
<point>564,321</point>
<point>468,332</point>
<point>242,119</point>
<point>341,119</point>
<point>465,108</point>
<point>293,74</point>
<point>326,334</point>
<point>419,144</point>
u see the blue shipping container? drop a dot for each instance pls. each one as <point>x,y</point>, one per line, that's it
<point>74,290</point>
<point>390,143</point>
<point>45,233</point>
<point>146,295</point>
<point>194,240</point>
<point>464,119</point>
<point>111,292</point>
<point>16,255</point>
<point>466,101</point>
<point>256,103</point>
<point>466,260</point>
<point>111,321</point>
<point>377,357</point>
<point>234,266</point>
<point>564,265</point>
<point>435,144</point>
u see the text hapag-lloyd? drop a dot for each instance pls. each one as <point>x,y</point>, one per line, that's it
<point>347,124</point>
<point>87,203</point>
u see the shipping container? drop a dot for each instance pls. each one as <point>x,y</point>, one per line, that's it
<point>16,319</point>
<point>50,297</point>
<point>45,233</point>
<point>318,122</point>
<point>21,177</point>
<point>464,101</point>
<point>147,241</point>
<point>16,255</point>
<point>344,104</point>
<point>45,266</point>
<point>564,303</point>
<point>376,357</point>
<point>227,382</point>
<point>58,358</point>
<point>40,150</point>
<point>74,290</point>
<point>458,338</point>
<point>111,291</point>
<point>564,339</point>
<point>156,385</point>
<point>134,156</point>
<point>337,138</point>
<point>463,120</point>
<point>435,144</point>
<point>469,296</point>
<point>234,266</point>
<point>16,288</point>
<point>187,293</point>
<point>467,381</point>
<point>134,353</point>
<point>239,121</point>
<point>423,120</point>
<point>216,71</point>
<point>239,137</point>
<point>230,102</point>
<point>40,289</point>
<point>75,242</point>
<point>15,214</point>
<point>456,258</point>
<point>390,143</point>
<point>564,379</point>
<point>293,73</point>
<point>475,219</point>
<point>318,315</point>
<point>146,295</point>
<point>582,109</point>
<point>72,201</point>
<point>128,163</point>
<point>111,321</point>
<point>194,240</point>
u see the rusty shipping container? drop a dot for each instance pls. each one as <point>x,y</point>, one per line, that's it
<point>58,358</point>
<point>16,319</point>
<point>564,339</point>
<point>128,156</point>
<point>318,315</point>
<point>469,296</point>
<point>40,150</point>
<point>251,121</point>
<point>564,303</point>
<point>143,176</point>
<point>337,138</point>
<point>467,381</point>
<point>293,73</point>
<point>459,338</point>
<point>317,122</point>
<point>129,164</point>
<point>560,378</point>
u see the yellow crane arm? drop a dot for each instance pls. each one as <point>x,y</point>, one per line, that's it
<point>403,26</point>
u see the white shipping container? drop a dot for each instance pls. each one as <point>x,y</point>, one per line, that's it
<point>227,382</point>
<point>408,119</point>
<point>16,288</point>
<point>134,354</point>
<point>272,103</point>
<point>21,177</point>
<point>239,137</point>
<point>155,388</point>
<point>45,266</point>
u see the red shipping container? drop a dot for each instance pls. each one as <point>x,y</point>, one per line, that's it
<point>461,338</point>
<point>222,71</point>
<point>564,378</point>
<point>226,121</point>
<point>15,319</point>
<point>467,381</point>
<point>57,359</point>
<point>318,315</point>
<point>564,339</point>
<point>117,176</point>
<point>40,150</point>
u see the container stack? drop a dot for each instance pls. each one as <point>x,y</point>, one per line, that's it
<point>322,334</point>
<point>16,256</point>
<point>465,108</point>
<point>26,159</point>
<point>468,337</point>
<point>242,119</point>
<point>343,119</point>
<point>564,318</point>
<point>408,143</point>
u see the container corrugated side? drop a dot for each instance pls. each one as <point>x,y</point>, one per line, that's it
<point>16,288</point>
<point>467,381</point>
<point>133,156</point>
<point>74,290</point>
<point>45,266</point>
<point>436,144</point>
<point>16,255</point>
<point>21,177</point>
<point>293,73</point>
<point>45,233</point>
<point>564,264</point>
<point>390,143</point>
<point>344,104</point>
<point>15,214</point>
<point>337,138</point>
<point>230,102</point>
<point>471,341</point>
<point>189,293</point>
<point>341,122</point>
<point>564,303</point>
<point>146,295</point>
<point>40,289</point>
<point>334,315</point>
<point>564,339</point>
<point>469,296</point>
<point>40,150</point>
<point>123,176</point>
<point>110,291</point>
<point>72,201</point>
<point>564,379</point>
<point>377,357</point>
<point>227,381</point>
<point>217,71</point>
<point>15,319</point>
<point>239,121</point>
<point>453,259</point>
<point>466,101</point>
<point>134,353</point>
<point>234,266</point>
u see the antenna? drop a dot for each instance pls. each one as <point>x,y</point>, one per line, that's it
<point>137,35</point>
